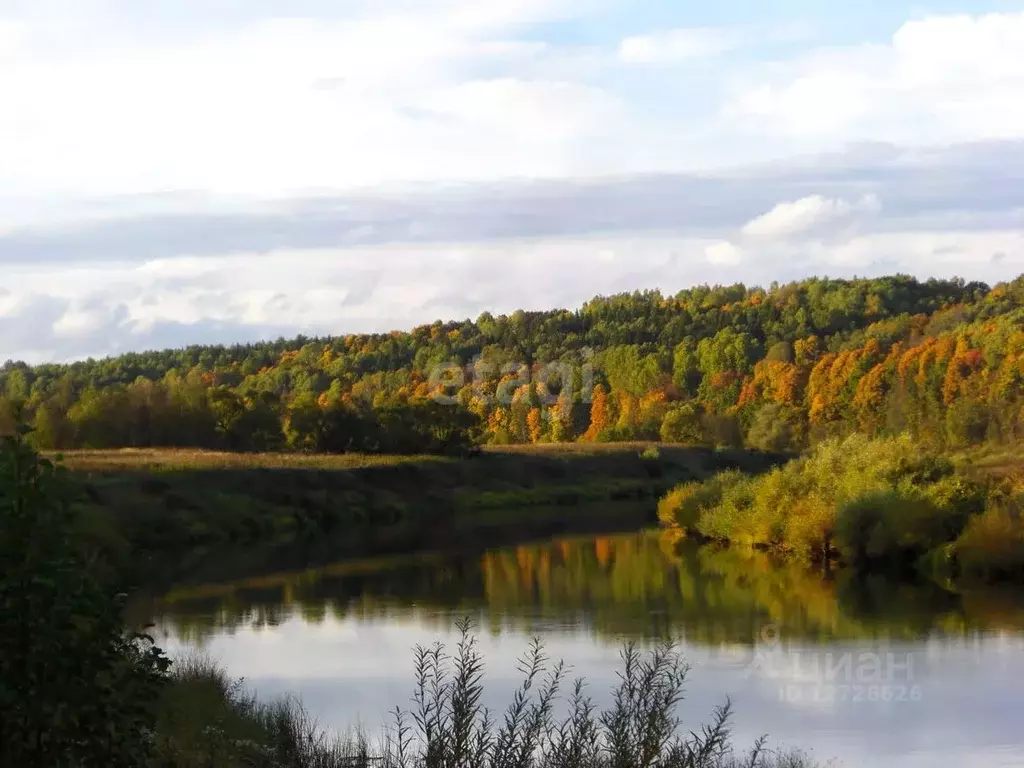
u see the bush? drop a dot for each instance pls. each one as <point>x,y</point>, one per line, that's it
<point>898,526</point>
<point>75,688</point>
<point>991,547</point>
<point>207,719</point>
<point>651,453</point>
<point>683,506</point>
<point>868,499</point>
<point>734,517</point>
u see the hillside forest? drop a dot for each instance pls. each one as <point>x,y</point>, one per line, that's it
<point>776,369</point>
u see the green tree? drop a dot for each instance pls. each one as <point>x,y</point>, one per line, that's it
<point>682,424</point>
<point>303,423</point>
<point>228,410</point>
<point>774,428</point>
<point>76,689</point>
<point>10,411</point>
<point>686,367</point>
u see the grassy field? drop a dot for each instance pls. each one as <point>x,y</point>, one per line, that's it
<point>187,460</point>
<point>184,459</point>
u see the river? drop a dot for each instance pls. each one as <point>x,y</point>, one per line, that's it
<point>860,672</point>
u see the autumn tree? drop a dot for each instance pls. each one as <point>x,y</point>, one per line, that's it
<point>599,416</point>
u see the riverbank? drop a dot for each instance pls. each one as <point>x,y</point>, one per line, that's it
<point>157,510</point>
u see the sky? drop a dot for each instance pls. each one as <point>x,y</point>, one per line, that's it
<point>215,171</point>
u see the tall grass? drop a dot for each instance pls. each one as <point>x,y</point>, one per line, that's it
<point>208,720</point>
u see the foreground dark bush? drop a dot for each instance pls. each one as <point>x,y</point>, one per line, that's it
<point>75,688</point>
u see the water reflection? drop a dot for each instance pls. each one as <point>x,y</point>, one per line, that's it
<point>863,670</point>
<point>639,585</point>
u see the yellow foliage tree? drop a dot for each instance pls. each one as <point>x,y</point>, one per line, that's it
<point>598,413</point>
<point>535,423</point>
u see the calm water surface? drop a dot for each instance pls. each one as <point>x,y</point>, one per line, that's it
<point>863,673</point>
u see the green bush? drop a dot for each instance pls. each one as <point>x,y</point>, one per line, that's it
<point>75,688</point>
<point>651,453</point>
<point>991,546</point>
<point>899,526</point>
<point>684,505</point>
<point>866,499</point>
<point>734,517</point>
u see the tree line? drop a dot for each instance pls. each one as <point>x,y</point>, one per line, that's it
<point>776,368</point>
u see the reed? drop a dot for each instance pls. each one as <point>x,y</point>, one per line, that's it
<point>551,722</point>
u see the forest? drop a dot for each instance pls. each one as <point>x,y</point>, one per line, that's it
<point>777,368</point>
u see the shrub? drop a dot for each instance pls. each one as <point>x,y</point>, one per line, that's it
<point>733,517</point>
<point>75,688</point>
<point>207,719</point>
<point>991,547</point>
<point>676,510</point>
<point>898,526</point>
<point>869,499</point>
<point>683,506</point>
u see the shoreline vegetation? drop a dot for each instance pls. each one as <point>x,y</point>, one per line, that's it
<point>208,719</point>
<point>882,505</point>
<point>152,510</point>
<point>78,687</point>
<point>879,505</point>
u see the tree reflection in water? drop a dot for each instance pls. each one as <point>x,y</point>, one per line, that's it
<point>638,585</point>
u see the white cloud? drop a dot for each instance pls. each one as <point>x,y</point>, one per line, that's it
<point>8,303</point>
<point>723,254</point>
<point>454,90</point>
<point>540,111</point>
<point>78,322</point>
<point>9,33</point>
<point>294,104</point>
<point>806,215</point>
<point>940,79</point>
<point>678,45</point>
